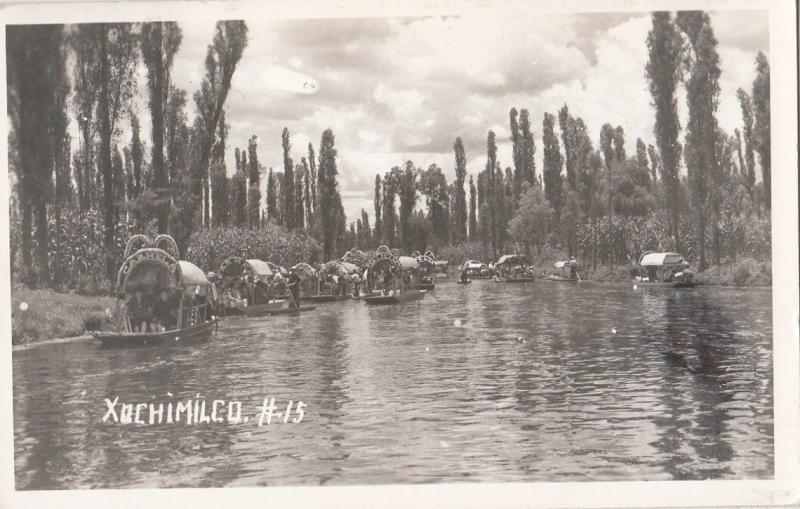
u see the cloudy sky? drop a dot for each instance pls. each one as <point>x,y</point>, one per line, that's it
<point>398,89</point>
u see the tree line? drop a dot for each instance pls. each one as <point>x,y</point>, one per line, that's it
<point>693,190</point>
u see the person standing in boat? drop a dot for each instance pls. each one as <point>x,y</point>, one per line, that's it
<point>293,285</point>
<point>573,268</point>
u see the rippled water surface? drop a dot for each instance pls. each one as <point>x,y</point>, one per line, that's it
<point>537,382</point>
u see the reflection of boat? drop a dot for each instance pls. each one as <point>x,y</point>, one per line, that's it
<point>665,270</point>
<point>156,271</point>
<point>397,298</point>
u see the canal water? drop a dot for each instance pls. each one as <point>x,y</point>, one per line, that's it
<point>475,383</point>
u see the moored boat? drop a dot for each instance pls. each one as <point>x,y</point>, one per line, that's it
<point>665,270</point>
<point>160,299</point>
<point>513,269</point>
<point>564,266</point>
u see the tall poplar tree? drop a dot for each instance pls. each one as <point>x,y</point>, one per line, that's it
<point>663,73</point>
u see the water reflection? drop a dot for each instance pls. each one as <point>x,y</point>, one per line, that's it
<point>480,382</point>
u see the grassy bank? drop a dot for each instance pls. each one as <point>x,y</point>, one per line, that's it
<point>51,315</point>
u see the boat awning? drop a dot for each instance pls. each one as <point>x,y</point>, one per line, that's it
<point>407,262</point>
<point>519,260</point>
<point>561,264</point>
<point>440,263</point>
<point>472,264</point>
<point>259,267</point>
<point>661,259</point>
<point>191,275</point>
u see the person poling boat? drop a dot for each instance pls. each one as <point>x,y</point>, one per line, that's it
<point>293,285</point>
<point>159,298</point>
<point>569,271</point>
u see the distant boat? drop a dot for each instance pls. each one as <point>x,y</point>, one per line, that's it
<point>513,269</point>
<point>563,278</point>
<point>665,270</point>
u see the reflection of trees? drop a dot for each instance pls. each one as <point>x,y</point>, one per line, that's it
<point>696,347</point>
<point>329,403</point>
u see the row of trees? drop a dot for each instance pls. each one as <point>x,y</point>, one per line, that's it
<point>695,193</point>
<point>164,192</point>
<point>598,201</point>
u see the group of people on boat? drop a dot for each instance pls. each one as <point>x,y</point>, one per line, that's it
<point>157,310</point>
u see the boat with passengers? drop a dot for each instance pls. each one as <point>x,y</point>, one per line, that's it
<point>665,269</point>
<point>427,270</point>
<point>477,270</point>
<point>513,269</point>
<point>247,288</point>
<point>391,278</point>
<point>333,282</point>
<point>159,298</point>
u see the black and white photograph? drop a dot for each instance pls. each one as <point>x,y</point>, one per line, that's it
<point>488,244</point>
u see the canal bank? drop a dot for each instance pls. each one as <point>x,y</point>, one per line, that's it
<point>54,316</point>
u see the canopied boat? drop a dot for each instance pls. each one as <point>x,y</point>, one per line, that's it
<point>427,270</point>
<point>392,279</point>
<point>665,269</point>
<point>513,269</point>
<point>333,282</point>
<point>160,299</point>
<point>477,269</point>
<point>247,288</point>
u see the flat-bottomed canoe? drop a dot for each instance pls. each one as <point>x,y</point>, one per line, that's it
<point>263,309</point>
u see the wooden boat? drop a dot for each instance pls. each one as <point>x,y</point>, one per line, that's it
<point>427,269</point>
<point>155,269</point>
<point>400,274</point>
<point>292,311</point>
<point>396,298</point>
<point>553,277</point>
<point>324,298</point>
<point>501,279</point>
<point>199,333</point>
<point>263,309</point>
<point>665,270</point>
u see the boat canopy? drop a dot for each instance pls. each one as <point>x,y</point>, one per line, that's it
<point>305,270</point>
<point>191,275</point>
<point>561,264</point>
<point>474,265</point>
<point>440,263</point>
<point>259,268</point>
<point>517,259</point>
<point>407,262</point>
<point>233,266</point>
<point>661,259</point>
<point>425,260</point>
